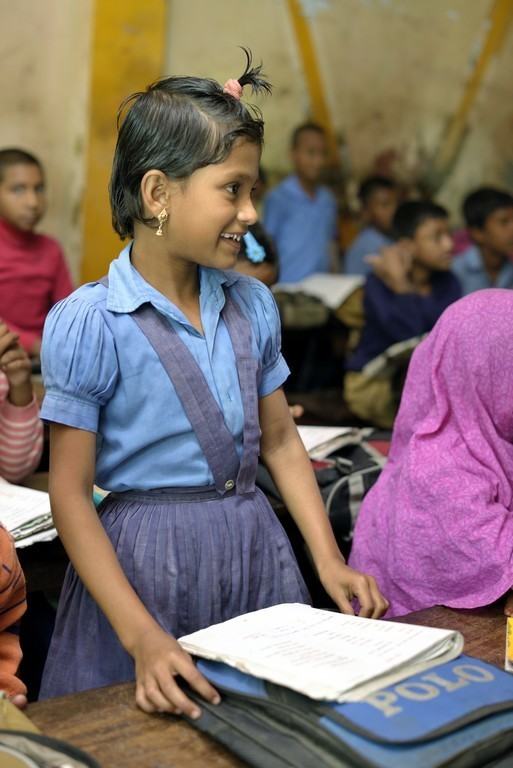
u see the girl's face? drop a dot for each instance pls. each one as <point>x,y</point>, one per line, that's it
<point>209,213</point>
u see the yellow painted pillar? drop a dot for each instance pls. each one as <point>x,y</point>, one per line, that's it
<point>318,104</point>
<point>127,54</point>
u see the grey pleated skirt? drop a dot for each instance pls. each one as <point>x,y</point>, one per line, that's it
<point>193,557</point>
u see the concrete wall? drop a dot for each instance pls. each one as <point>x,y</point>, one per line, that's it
<point>394,73</point>
<point>44,78</point>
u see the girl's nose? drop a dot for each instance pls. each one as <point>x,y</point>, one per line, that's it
<point>247,214</point>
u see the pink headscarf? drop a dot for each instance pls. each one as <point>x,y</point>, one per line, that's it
<point>437,528</point>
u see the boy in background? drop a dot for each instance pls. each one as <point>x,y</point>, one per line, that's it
<point>488,262</point>
<point>411,286</point>
<point>300,215</point>
<point>378,196</point>
<point>33,272</point>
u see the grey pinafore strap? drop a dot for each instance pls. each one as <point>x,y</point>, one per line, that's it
<point>198,402</point>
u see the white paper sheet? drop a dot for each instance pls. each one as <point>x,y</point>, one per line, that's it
<point>321,441</point>
<point>332,290</point>
<point>323,654</point>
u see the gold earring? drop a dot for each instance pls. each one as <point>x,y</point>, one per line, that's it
<point>161,218</point>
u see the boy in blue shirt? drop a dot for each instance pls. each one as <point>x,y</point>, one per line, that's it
<point>411,286</point>
<point>378,197</point>
<point>301,215</point>
<point>488,263</point>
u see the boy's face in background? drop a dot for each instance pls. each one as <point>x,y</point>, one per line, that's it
<point>22,195</point>
<point>497,233</point>
<point>432,245</point>
<point>380,208</point>
<point>310,156</point>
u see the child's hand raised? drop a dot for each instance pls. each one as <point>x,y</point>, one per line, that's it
<point>158,660</point>
<point>344,584</point>
<point>393,266</point>
<point>15,363</point>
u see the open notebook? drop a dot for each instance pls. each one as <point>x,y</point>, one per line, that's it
<point>321,441</point>
<point>26,514</point>
<point>323,654</point>
<point>331,289</point>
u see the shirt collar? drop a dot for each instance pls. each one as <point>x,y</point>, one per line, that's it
<point>295,187</point>
<point>473,259</point>
<point>128,290</point>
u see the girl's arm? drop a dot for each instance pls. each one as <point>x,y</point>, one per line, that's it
<point>157,655</point>
<point>287,461</point>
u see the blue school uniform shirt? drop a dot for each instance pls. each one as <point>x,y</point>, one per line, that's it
<point>391,317</point>
<point>368,242</point>
<point>102,375</point>
<point>470,271</point>
<point>302,228</point>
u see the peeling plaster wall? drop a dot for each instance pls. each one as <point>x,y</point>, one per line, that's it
<point>394,72</point>
<point>44,80</point>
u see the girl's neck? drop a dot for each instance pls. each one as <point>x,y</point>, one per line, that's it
<point>421,278</point>
<point>176,279</point>
<point>493,263</point>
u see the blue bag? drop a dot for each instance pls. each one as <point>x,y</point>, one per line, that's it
<point>459,714</point>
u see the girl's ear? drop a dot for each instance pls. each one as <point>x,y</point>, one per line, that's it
<point>155,192</point>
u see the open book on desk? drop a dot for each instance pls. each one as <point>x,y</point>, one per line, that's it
<point>321,441</point>
<point>323,654</point>
<point>26,514</point>
<point>331,289</point>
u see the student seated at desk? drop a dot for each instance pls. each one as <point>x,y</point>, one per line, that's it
<point>33,272</point>
<point>488,262</point>
<point>300,214</point>
<point>437,527</point>
<point>410,288</point>
<point>378,196</point>
<point>21,440</point>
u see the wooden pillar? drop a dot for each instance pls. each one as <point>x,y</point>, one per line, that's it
<point>127,54</point>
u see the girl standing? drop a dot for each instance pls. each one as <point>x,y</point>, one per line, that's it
<point>164,384</point>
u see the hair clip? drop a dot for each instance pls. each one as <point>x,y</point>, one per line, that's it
<point>254,251</point>
<point>234,88</point>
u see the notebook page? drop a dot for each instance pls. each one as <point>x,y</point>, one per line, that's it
<point>318,440</point>
<point>322,654</point>
<point>22,508</point>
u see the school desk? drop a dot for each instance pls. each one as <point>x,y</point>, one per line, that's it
<point>106,723</point>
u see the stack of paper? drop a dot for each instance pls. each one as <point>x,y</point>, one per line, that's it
<point>321,441</point>
<point>26,514</point>
<point>322,654</point>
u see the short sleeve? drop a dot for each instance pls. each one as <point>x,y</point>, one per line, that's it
<point>79,364</point>
<point>260,307</point>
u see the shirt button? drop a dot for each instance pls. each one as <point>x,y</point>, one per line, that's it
<point>229,485</point>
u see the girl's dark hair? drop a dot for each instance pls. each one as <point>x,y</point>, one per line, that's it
<point>179,124</point>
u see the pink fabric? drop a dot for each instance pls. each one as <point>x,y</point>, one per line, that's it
<point>437,528</point>
<point>21,436</point>
<point>234,88</point>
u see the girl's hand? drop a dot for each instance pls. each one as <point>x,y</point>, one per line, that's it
<point>158,659</point>
<point>343,584</point>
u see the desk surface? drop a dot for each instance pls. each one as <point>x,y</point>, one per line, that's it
<point>106,723</point>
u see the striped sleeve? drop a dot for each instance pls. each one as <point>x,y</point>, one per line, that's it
<point>12,607</point>
<point>21,436</point>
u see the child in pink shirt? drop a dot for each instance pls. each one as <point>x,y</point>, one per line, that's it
<point>33,272</point>
<point>21,440</point>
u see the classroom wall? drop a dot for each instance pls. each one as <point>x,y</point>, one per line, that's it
<point>44,78</point>
<point>394,74</point>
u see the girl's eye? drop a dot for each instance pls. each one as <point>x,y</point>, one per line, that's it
<point>233,188</point>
